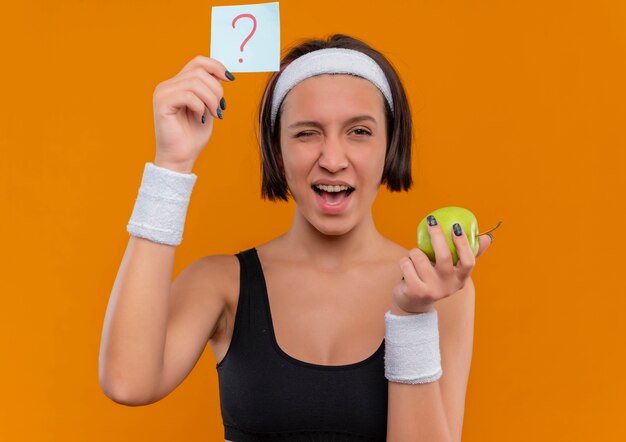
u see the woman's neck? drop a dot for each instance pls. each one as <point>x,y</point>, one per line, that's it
<point>333,252</point>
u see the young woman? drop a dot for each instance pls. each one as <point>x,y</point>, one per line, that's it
<point>330,332</point>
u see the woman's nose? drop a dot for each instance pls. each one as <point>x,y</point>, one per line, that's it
<point>333,156</point>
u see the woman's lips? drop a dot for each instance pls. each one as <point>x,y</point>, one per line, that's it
<point>332,203</point>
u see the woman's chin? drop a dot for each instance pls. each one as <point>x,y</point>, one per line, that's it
<point>329,225</point>
<point>332,227</point>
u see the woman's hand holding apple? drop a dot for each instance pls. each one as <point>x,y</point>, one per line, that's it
<point>424,282</point>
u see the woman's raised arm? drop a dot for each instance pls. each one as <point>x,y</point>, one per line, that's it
<point>140,320</point>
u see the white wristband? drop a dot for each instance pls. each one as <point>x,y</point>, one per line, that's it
<point>412,348</point>
<point>161,205</point>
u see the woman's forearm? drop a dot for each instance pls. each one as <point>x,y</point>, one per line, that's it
<point>415,411</point>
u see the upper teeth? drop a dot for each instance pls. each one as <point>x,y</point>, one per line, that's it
<point>331,188</point>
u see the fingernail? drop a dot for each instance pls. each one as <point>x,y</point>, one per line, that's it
<point>230,76</point>
<point>203,118</point>
<point>431,220</point>
<point>491,236</point>
<point>457,229</point>
<point>219,113</point>
<point>223,103</point>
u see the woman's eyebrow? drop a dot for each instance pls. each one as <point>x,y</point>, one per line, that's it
<point>352,120</point>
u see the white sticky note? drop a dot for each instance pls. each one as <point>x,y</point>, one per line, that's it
<point>246,38</point>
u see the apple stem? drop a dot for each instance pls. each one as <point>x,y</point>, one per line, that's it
<point>492,229</point>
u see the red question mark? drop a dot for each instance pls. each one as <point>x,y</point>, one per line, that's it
<point>250,16</point>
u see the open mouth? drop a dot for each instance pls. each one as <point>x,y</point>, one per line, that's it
<point>332,194</point>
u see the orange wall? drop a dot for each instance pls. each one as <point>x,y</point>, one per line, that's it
<point>519,109</point>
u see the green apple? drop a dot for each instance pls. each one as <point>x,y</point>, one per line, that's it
<point>446,217</point>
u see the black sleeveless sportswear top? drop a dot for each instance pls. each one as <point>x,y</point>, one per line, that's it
<point>266,395</point>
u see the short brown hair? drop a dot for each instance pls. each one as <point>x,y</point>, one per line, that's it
<point>397,169</point>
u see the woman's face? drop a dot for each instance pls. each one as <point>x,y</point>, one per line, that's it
<point>333,143</point>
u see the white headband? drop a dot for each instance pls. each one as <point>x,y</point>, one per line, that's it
<point>329,61</point>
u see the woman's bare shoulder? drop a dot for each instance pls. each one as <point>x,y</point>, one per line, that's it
<point>221,269</point>
<point>212,275</point>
